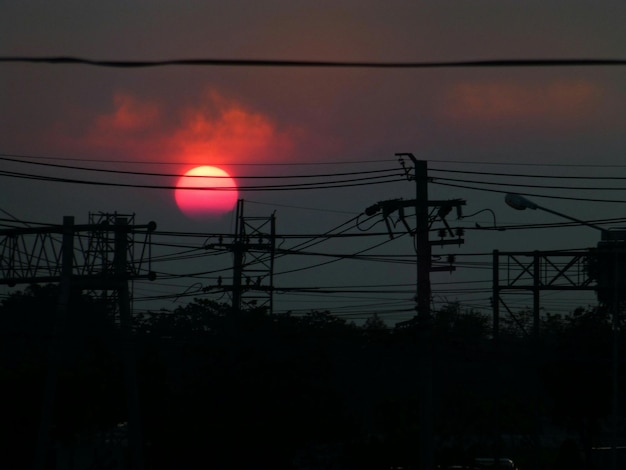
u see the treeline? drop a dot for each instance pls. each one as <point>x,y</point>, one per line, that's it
<point>252,390</point>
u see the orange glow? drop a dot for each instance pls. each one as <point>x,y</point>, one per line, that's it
<point>214,128</point>
<point>213,199</point>
<point>497,101</point>
<point>219,126</point>
<point>130,115</point>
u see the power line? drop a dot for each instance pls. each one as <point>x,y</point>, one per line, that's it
<point>289,206</point>
<point>559,165</point>
<point>365,181</point>
<point>359,162</point>
<point>336,259</point>
<point>150,162</point>
<point>517,175</point>
<point>616,201</point>
<point>70,60</point>
<point>178,175</point>
<point>520,185</point>
<point>316,240</point>
<point>14,219</point>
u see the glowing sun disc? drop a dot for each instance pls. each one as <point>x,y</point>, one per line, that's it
<point>218,194</point>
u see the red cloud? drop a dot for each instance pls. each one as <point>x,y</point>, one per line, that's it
<point>502,102</point>
<point>216,129</point>
<point>129,115</point>
<point>219,130</point>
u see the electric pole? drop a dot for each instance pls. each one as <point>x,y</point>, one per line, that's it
<point>58,337</point>
<point>238,250</point>
<point>120,271</point>
<point>253,249</point>
<point>424,320</point>
<point>426,214</point>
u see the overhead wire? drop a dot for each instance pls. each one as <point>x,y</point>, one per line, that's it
<point>485,265</point>
<point>365,181</point>
<point>315,240</point>
<point>291,206</point>
<point>335,259</point>
<point>530,164</point>
<point>528,175</point>
<point>360,162</point>
<point>278,63</point>
<point>287,63</point>
<point>178,175</point>
<point>547,196</point>
<point>528,185</point>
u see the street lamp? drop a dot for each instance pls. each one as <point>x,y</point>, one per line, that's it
<point>519,202</point>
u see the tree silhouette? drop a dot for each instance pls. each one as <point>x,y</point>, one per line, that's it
<point>249,389</point>
<point>88,369</point>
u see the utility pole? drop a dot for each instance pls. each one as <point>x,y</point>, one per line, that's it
<point>424,320</point>
<point>55,356</point>
<point>120,270</point>
<point>426,213</point>
<point>253,248</point>
<point>238,249</point>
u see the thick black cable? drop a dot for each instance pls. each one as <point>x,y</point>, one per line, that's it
<point>69,60</point>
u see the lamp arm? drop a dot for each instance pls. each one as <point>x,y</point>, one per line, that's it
<point>573,219</point>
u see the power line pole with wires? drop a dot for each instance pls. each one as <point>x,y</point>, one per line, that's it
<point>424,320</point>
<point>426,213</point>
<point>253,248</point>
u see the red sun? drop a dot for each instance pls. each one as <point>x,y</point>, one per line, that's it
<point>218,193</point>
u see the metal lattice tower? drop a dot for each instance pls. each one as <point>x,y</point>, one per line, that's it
<point>101,256</point>
<point>254,249</point>
<point>34,254</point>
<point>534,272</point>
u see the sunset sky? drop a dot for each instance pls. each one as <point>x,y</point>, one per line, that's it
<point>276,122</point>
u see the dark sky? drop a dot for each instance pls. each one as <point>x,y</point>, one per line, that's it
<point>566,121</point>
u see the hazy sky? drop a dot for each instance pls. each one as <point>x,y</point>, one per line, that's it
<point>323,120</point>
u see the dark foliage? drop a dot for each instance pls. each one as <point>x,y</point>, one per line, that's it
<point>251,390</point>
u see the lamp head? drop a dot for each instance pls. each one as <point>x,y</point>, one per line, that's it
<point>371,210</point>
<point>519,202</point>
